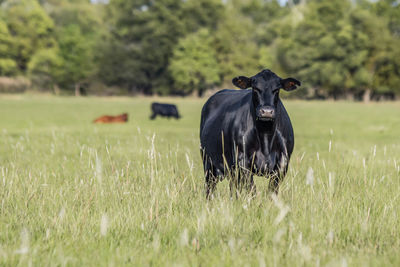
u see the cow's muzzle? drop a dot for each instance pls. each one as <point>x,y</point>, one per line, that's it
<point>266,113</point>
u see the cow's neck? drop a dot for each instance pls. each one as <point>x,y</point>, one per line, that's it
<point>266,132</point>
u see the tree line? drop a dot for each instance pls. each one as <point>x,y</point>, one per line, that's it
<point>338,48</point>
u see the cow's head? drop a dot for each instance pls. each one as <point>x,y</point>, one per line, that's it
<point>265,86</point>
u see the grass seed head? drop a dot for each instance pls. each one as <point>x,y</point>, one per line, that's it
<point>104,225</point>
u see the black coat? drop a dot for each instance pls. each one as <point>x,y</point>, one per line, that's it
<point>229,128</point>
<point>164,110</point>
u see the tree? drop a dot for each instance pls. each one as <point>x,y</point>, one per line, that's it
<point>390,11</point>
<point>235,44</point>
<point>45,68</point>
<point>78,12</point>
<point>370,41</point>
<point>78,29</point>
<point>194,65</point>
<point>8,66</point>
<point>30,27</point>
<point>312,52</point>
<point>266,16</point>
<point>143,37</point>
<point>76,56</point>
<point>143,34</point>
<point>387,65</point>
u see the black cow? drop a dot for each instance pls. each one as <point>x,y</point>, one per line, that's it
<point>164,110</point>
<point>247,132</point>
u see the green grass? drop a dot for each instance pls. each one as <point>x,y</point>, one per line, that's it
<point>75,193</point>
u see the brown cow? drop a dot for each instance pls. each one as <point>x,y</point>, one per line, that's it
<point>112,119</point>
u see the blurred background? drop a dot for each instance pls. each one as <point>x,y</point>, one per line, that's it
<point>339,49</point>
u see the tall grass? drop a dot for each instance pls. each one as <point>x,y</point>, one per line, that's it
<point>74,193</point>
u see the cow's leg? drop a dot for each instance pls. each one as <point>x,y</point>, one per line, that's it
<point>246,175</point>
<point>210,177</point>
<point>248,182</point>
<point>281,163</point>
<point>211,182</point>
<point>251,186</point>
<point>241,180</point>
<point>278,173</point>
<point>153,116</point>
<point>235,182</point>
<point>232,187</point>
<point>273,186</point>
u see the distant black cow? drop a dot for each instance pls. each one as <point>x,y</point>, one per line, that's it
<point>247,132</point>
<point>164,110</point>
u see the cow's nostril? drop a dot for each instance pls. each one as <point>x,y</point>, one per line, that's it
<point>267,112</point>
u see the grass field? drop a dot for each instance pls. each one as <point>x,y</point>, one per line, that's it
<point>74,193</point>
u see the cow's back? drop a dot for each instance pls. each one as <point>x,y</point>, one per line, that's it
<point>219,118</point>
<point>220,102</point>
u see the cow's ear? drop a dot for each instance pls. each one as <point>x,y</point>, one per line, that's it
<point>290,84</point>
<point>242,82</point>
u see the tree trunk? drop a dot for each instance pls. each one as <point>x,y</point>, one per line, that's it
<point>56,90</point>
<point>367,95</point>
<point>77,89</point>
<point>349,96</point>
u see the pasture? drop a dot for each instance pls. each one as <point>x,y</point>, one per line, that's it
<point>79,194</point>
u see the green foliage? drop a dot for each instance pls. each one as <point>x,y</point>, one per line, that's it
<point>45,68</point>
<point>30,27</point>
<point>387,65</point>
<point>387,76</point>
<point>314,39</point>
<point>234,42</point>
<point>193,65</point>
<point>8,66</point>
<point>78,12</point>
<point>201,14</point>
<point>337,48</point>
<point>75,54</point>
<point>54,44</point>
<point>78,32</point>
<point>390,10</point>
<point>145,34</point>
